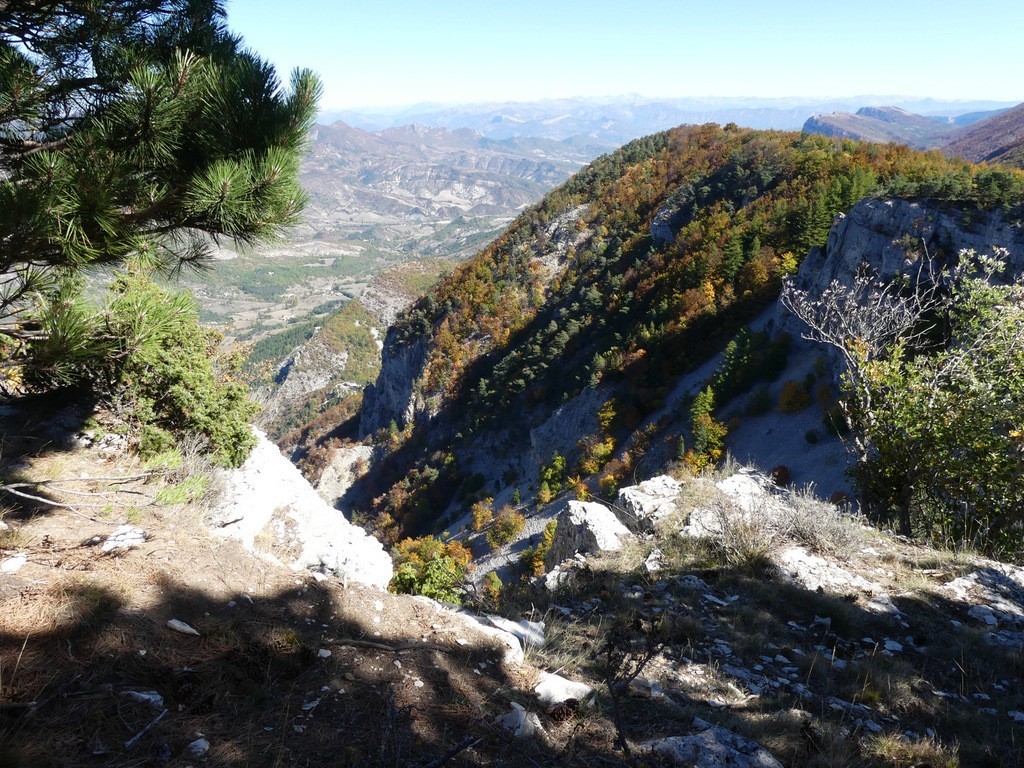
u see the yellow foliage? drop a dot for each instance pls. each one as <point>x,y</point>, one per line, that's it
<point>482,514</point>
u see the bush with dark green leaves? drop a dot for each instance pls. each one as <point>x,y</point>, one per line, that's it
<point>145,352</point>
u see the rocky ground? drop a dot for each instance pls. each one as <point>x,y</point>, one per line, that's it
<point>705,621</point>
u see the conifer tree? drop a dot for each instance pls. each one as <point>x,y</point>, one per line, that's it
<point>136,129</point>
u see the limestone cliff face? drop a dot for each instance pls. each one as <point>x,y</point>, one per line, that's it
<point>393,397</point>
<point>887,235</point>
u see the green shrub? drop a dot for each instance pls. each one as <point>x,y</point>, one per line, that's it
<point>482,514</point>
<point>491,590</point>
<point>430,567</point>
<point>145,352</point>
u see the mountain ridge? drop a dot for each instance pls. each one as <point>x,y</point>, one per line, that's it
<point>995,136</point>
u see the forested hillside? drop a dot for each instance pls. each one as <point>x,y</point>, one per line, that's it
<point>640,267</point>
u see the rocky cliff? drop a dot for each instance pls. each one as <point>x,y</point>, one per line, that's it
<point>393,397</point>
<point>890,236</point>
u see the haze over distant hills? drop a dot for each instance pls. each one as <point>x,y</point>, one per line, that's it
<point>617,120</point>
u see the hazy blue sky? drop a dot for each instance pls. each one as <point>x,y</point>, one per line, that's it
<point>388,52</point>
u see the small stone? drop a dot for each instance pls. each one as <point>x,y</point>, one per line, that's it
<point>324,653</point>
<point>521,723</point>
<point>418,683</point>
<point>892,645</point>
<point>655,561</point>
<point>124,538</point>
<point>378,605</point>
<point>984,614</point>
<point>554,689</point>
<point>199,747</point>
<point>13,564</point>
<point>1017,717</point>
<point>712,599</point>
<point>182,627</point>
<point>397,664</point>
<point>692,582</point>
<point>152,698</point>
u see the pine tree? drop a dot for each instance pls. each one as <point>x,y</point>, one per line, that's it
<point>136,129</point>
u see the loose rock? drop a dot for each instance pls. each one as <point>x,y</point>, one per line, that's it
<point>124,538</point>
<point>182,627</point>
<point>555,689</point>
<point>712,747</point>
<point>586,527</point>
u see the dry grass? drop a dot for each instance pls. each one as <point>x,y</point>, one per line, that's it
<point>820,526</point>
<point>897,751</point>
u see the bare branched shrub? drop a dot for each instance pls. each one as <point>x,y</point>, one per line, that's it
<point>747,539</point>
<point>820,526</point>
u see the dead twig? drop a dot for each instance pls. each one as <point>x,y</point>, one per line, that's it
<point>149,726</point>
<point>409,646</point>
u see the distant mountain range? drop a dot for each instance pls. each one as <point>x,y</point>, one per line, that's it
<point>618,120</point>
<point>997,139</point>
<point>995,136</point>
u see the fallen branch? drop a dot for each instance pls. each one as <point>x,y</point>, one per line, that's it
<point>149,726</point>
<point>409,646</point>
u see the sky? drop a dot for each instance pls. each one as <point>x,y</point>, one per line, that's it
<point>376,53</point>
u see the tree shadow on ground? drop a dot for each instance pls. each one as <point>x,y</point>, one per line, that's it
<point>31,426</point>
<point>302,677</point>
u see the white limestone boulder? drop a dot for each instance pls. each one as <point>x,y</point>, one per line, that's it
<point>643,505</point>
<point>586,527</point>
<point>711,747</point>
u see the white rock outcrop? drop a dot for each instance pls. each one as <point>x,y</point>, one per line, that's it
<point>586,527</point>
<point>274,512</point>
<point>343,471</point>
<point>877,232</point>
<point>820,575</point>
<point>652,500</point>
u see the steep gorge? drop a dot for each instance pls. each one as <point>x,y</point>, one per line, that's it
<point>587,326</point>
